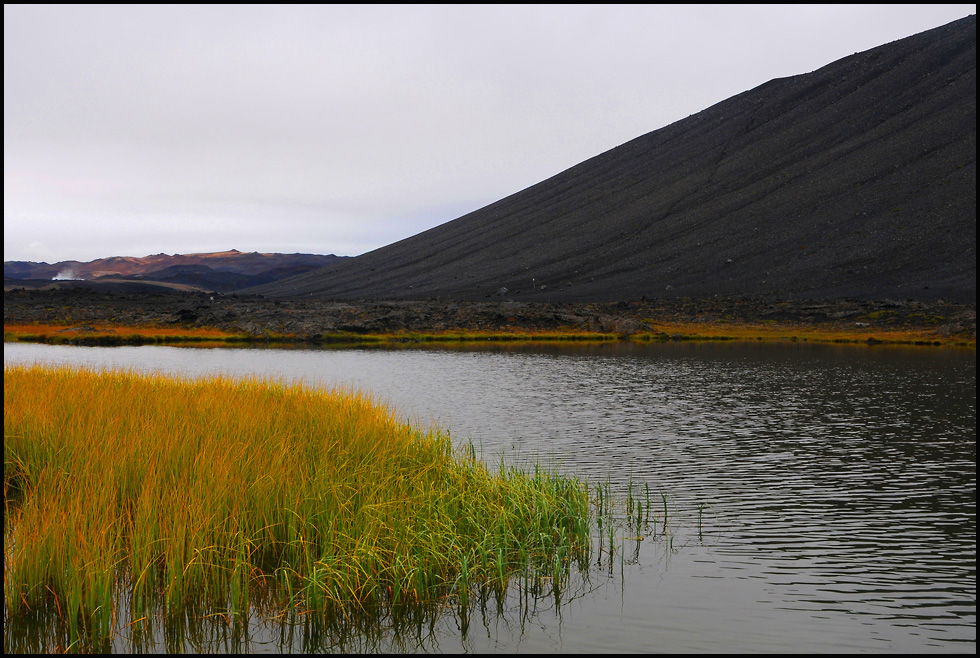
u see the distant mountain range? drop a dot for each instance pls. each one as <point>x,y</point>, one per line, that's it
<point>224,271</point>
<point>855,180</point>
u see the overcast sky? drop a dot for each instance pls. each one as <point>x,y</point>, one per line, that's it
<point>130,131</point>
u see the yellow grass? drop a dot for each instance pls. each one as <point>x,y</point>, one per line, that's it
<point>109,334</point>
<point>478,335</point>
<point>190,497</point>
<point>776,332</point>
<point>112,333</point>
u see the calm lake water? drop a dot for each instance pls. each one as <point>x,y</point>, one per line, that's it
<point>821,498</point>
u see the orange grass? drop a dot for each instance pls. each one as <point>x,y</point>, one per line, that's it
<point>190,498</point>
<point>89,331</point>
<point>775,332</point>
<point>477,335</point>
<point>109,334</point>
<point>105,333</point>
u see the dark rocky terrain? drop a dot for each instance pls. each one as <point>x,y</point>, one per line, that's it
<point>857,180</point>
<point>311,318</point>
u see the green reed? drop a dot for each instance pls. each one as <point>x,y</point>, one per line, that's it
<point>166,500</point>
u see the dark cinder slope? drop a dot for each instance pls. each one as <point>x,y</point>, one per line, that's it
<point>855,180</point>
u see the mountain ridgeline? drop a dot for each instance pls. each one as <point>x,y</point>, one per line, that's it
<point>855,180</point>
<point>223,271</point>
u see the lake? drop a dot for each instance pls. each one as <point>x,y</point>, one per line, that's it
<point>820,498</point>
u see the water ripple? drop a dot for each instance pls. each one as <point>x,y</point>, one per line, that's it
<point>820,498</point>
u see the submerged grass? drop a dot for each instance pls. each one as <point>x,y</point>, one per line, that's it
<point>160,499</point>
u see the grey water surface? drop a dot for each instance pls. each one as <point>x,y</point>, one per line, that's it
<point>819,498</point>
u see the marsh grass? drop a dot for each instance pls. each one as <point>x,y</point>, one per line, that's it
<point>105,334</point>
<point>100,334</point>
<point>722,331</point>
<point>151,503</point>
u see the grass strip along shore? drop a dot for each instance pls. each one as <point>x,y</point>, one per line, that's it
<point>111,335</point>
<point>135,500</point>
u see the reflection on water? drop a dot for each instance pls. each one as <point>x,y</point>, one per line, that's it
<point>265,629</point>
<point>820,498</point>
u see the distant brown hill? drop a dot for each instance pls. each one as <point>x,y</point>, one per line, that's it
<point>219,271</point>
<point>855,180</point>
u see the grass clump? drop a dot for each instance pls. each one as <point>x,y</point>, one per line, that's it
<point>133,499</point>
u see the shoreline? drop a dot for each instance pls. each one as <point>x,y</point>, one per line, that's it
<point>114,318</point>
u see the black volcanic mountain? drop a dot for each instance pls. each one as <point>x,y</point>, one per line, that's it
<point>855,180</point>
